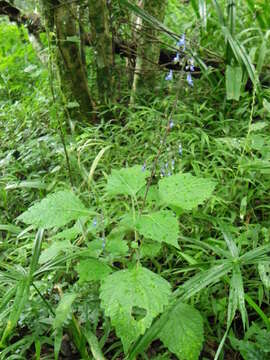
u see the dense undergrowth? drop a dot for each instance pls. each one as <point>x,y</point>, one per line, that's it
<point>216,258</point>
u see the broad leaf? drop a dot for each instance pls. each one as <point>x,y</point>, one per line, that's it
<point>53,250</point>
<point>161,226</point>
<point>129,292</point>
<point>55,210</point>
<point>116,247</point>
<point>183,332</point>
<point>63,310</point>
<point>233,82</point>
<point>150,250</point>
<point>92,270</point>
<point>185,190</point>
<point>127,181</point>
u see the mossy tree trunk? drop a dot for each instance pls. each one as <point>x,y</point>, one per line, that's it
<point>102,42</point>
<point>149,48</point>
<point>62,16</point>
<point>72,71</point>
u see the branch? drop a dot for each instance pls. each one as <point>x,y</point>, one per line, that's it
<point>34,26</point>
<point>32,22</point>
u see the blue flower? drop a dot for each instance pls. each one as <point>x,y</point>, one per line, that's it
<point>94,222</point>
<point>162,172</point>
<point>169,76</point>
<point>103,242</point>
<point>182,42</point>
<point>189,79</point>
<point>180,150</point>
<point>171,124</point>
<point>176,58</point>
<point>144,166</point>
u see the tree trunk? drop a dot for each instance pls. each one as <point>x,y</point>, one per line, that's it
<point>72,72</point>
<point>102,42</point>
<point>148,50</point>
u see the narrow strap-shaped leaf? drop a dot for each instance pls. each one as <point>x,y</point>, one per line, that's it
<point>94,345</point>
<point>241,55</point>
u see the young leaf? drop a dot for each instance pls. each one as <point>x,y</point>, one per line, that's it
<point>127,181</point>
<point>55,210</point>
<point>161,226</point>
<point>63,310</point>
<point>92,270</point>
<point>185,191</point>
<point>183,332</point>
<point>127,290</point>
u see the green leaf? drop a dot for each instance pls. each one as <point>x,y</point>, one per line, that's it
<point>150,250</point>
<point>116,247</point>
<point>264,271</point>
<point>203,12</point>
<point>63,310</point>
<point>127,181</point>
<point>241,55</point>
<point>233,82</point>
<point>185,190</point>
<point>92,270</point>
<point>127,292</point>
<point>53,250</point>
<point>258,125</point>
<point>55,210</point>
<point>183,332</point>
<point>161,226</point>
<point>190,288</point>
<point>266,105</point>
<point>236,297</point>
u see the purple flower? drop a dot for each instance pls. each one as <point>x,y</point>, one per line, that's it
<point>169,76</point>
<point>189,79</point>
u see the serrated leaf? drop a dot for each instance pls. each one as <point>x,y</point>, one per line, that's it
<point>258,126</point>
<point>127,181</point>
<point>116,247</point>
<point>185,190</point>
<point>55,210</point>
<point>53,250</point>
<point>126,290</point>
<point>92,270</point>
<point>183,332</point>
<point>63,310</point>
<point>150,250</point>
<point>161,226</point>
<point>68,234</point>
